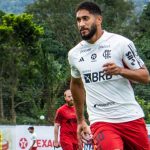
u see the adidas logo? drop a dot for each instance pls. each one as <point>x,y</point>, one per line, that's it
<point>81,59</point>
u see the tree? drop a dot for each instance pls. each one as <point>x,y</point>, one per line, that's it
<point>146,107</point>
<point>144,21</point>
<point>142,41</point>
<point>117,15</point>
<point>22,39</point>
<point>55,44</point>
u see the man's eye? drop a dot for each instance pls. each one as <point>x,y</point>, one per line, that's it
<point>85,18</point>
<point>78,19</point>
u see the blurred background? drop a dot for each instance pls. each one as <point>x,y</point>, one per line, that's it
<point>35,37</point>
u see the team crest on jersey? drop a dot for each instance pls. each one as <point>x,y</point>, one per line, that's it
<point>107,54</point>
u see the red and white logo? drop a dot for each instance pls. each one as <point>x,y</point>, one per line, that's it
<point>23,143</point>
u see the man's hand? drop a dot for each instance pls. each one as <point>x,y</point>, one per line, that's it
<point>140,75</point>
<point>56,144</point>
<point>112,69</point>
<point>84,133</point>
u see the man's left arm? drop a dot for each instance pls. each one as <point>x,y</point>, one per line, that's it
<point>137,75</point>
<point>134,69</point>
<point>34,141</point>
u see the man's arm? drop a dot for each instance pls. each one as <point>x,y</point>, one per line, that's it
<point>34,141</point>
<point>138,75</point>
<point>78,94</point>
<point>56,131</point>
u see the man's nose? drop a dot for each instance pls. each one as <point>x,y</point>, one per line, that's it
<point>81,23</point>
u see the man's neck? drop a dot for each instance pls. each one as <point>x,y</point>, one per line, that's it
<point>70,105</point>
<point>96,37</point>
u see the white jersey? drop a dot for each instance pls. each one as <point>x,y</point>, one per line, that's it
<point>109,98</point>
<point>33,138</point>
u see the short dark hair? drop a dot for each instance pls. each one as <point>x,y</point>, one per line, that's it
<point>92,7</point>
<point>31,128</point>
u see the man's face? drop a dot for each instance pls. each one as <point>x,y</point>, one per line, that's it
<point>68,97</point>
<point>30,130</point>
<point>87,24</point>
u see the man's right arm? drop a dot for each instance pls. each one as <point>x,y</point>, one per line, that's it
<point>56,131</point>
<point>78,94</point>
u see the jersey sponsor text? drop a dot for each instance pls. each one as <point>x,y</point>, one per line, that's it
<point>96,76</point>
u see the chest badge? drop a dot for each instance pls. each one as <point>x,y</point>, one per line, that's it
<point>107,54</point>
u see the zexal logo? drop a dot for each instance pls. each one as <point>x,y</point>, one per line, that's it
<point>96,77</point>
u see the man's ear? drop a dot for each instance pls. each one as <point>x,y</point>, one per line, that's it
<point>99,20</point>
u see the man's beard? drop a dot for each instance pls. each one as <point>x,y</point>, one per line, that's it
<point>70,103</point>
<point>90,34</point>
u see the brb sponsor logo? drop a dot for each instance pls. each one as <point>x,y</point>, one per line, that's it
<point>96,77</point>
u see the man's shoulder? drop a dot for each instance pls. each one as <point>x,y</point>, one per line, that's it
<point>34,134</point>
<point>61,107</point>
<point>76,49</point>
<point>120,38</point>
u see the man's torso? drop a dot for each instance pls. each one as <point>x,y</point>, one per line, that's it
<point>66,117</point>
<point>109,98</point>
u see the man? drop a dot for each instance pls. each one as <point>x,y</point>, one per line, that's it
<point>66,120</point>
<point>33,139</point>
<point>104,64</point>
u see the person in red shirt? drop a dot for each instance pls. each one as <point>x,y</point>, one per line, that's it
<point>66,121</point>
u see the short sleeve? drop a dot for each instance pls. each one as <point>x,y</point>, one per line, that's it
<point>74,71</point>
<point>58,117</point>
<point>34,137</point>
<point>130,56</point>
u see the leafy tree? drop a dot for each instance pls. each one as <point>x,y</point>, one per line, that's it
<point>55,45</point>
<point>117,15</point>
<point>142,41</point>
<point>146,107</point>
<point>144,21</point>
<point>22,39</point>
